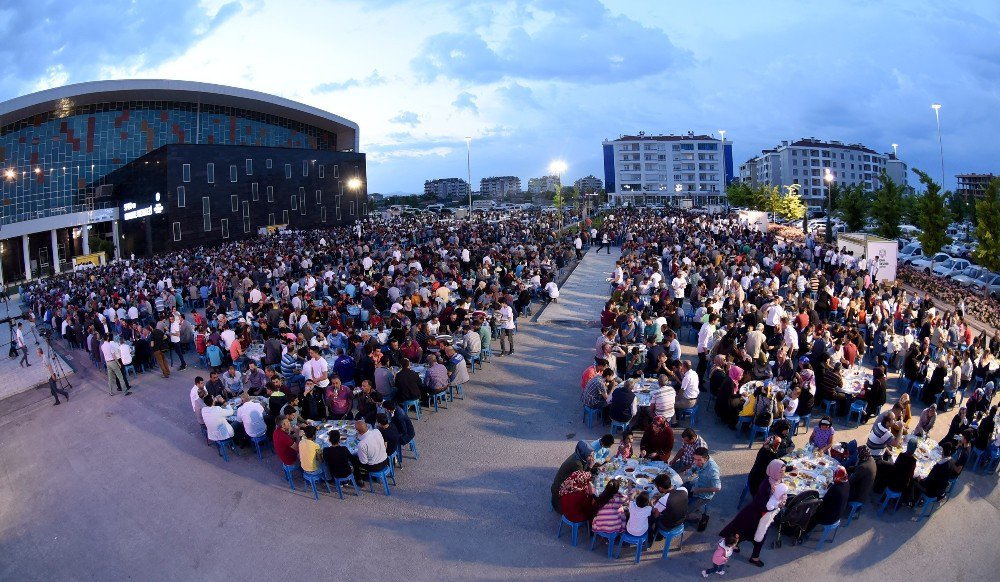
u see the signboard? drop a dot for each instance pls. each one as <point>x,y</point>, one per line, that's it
<point>131,210</point>
<point>88,261</point>
<point>880,253</point>
<point>755,219</point>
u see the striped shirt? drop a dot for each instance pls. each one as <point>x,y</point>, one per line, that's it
<point>610,518</point>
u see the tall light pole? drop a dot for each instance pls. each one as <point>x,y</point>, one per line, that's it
<point>895,154</point>
<point>557,168</point>
<point>937,115</point>
<point>828,178</point>
<point>722,132</point>
<point>468,168</point>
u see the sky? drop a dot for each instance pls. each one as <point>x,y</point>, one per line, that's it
<point>535,81</point>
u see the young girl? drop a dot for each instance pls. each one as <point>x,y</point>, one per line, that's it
<point>791,402</point>
<point>722,554</point>
<point>625,447</point>
<point>639,511</point>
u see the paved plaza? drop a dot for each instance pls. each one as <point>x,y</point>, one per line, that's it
<point>115,488</point>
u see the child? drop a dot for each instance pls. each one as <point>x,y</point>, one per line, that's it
<point>791,402</point>
<point>721,556</point>
<point>625,447</point>
<point>602,448</point>
<point>639,511</point>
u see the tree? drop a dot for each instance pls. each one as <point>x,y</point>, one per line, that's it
<point>988,227</point>
<point>934,217</point>
<point>558,201</point>
<point>853,206</point>
<point>740,194</point>
<point>887,207</point>
<point>910,209</point>
<point>834,196</point>
<point>789,205</point>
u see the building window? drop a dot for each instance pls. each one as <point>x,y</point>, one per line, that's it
<point>270,193</point>
<point>321,170</point>
<point>270,219</point>
<point>268,164</point>
<point>319,196</point>
<point>295,202</point>
<point>246,209</point>
<point>336,171</point>
<point>235,200</point>
<point>322,214</point>
<point>246,224</point>
<point>234,173</point>
<point>177,231</point>
<point>210,172</point>
<point>181,197</point>
<point>249,167</point>
<point>186,173</point>
<point>206,213</point>
<point>288,171</point>
<point>302,201</point>
<point>225,228</point>
<point>353,203</point>
<point>254,192</point>
<point>305,168</point>
<point>284,217</point>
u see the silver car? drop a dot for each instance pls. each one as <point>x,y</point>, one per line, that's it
<point>969,275</point>
<point>989,283</point>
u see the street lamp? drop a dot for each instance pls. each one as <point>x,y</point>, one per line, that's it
<point>722,132</point>
<point>828,177</point>
<point>937,115</point>
<point>895,154</point>
<point>468,167</point>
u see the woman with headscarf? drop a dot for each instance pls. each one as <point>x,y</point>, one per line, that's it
<point>576,497</point>
<point>806,381</point>
<point>935,385</point>
<point>900,478</point>
<point>729,402</point>
<point>752,521</point>
<point>581,459</point>
<point>767,453</point>
<point>658,441</point>
<point>984,434</point>
<point>834,502</point>
<point>862,476</point>
<point>959,423</point>
<point>926,422</point>
<point>875,394</point>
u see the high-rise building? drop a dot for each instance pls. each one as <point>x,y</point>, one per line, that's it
<point>806,162</point>
<point>897,171</point>
<point>973,185</point>
<point>500,186</point>
<point>642,169</point>
<point>588,184</point>
<point>446,188</point>
<point>543,184</point>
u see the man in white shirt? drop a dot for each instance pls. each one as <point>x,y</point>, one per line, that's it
<point>662,399</point>
<point>227,336</point>
<point>111,352</point>
<point>371,448</point>
<point>552,291</point>
<point>214,414</point>
<point>506,327</point>
<point>251,414</point>
<point>704,334</point>
<point>688,396</point>
<point>176,325</point>
<point>316,369</point>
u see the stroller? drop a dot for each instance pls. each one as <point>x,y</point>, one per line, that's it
<point>794,518</point>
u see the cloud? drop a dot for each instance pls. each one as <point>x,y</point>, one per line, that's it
<point>406,118</point>
<point>371,80</point>
<point>551,40</point>
<point>465,101</point>
<point>518,95</point>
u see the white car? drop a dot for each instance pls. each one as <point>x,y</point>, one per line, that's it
<point>924,263</point>
<point>988,283</point>
<point>969,275</point>
<point>910,253</point>
<point>951,267</point>
<point>957,249</point>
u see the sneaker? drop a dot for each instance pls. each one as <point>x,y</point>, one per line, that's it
<point>184,367</point>
<point>704,573</point>
<point>57,403</point>
<point>721,572</point>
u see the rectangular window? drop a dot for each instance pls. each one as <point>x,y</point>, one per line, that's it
<point>254,192</point>
<point>353,203</point>
<point>246,224</point>
<point>246,209</point>
<point>177,231</point>
<point>235,200</point>
<point>270,193</point>
<point>305,167</point>
<point>268,164</point>
<point>288,171</point>
<point>206,213</point>
<point>270,219</point>
<point>322,213</point>
<point>295,202</point>
<point>336,172</point>
<point>302,201</point>
<point>186,173</point>
<point>210,172</point>
<point>284,217</point>
<point>321,170</point>
<point>319,196</point>
<point>225,228</point>
<point>234,173</point>
<point>181,197</point>
<point>249,167</point>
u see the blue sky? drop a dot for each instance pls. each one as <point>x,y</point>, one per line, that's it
<point>533,81</point>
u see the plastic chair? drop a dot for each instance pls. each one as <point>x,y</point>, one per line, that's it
<point>289,474</point>
<point>793,423</point>
<point>975,456</point>
<point>746,490</point>
<point>474,359</point>
<point>951,486</point>
<point>804,422</point>
<point>588,415</point>
<point>131,373</point>
<point>414,404</point>
<point>827,529</point>
<point>668,538</point>
<point>487,353</point>
<point>993,463</point>
<point>857,409</point>
<point>610,536</point>
<point>638,541</point>
<point>887,496</point>
<point>615,425</point>
<point>456,390</point>
<point>441,397</point>
<point>222,448</point>
<point>315,477</point>
<point>916,389</point>
<point>743,421</point>
<point>764,431</point>
<point>394,459</point>
<point>256,443</point>
<point>204,432</point>
<point>853,511</point>
<point>927,500</point>
<point>384,475</point>
<point>829,406</point>
<point>413,448</point>
<point>203,361</point>
<point>350,479</point>
<point>690,412</point>
<point>574,527</point>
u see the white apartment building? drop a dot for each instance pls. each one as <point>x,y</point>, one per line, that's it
<point>446,188</point>
<point>543,184</point>
<point>805,162</point>
<point>663,169</point>
<point>500,186</point>
<point>588,184</point>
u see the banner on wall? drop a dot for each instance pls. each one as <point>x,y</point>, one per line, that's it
<point>89,261</point>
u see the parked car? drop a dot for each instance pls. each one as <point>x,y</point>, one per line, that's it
<point>951,267</point>
<point>988,283</point>
<point>910,253</point>
<point>909,230</point>
<point>969,275</point>
<point>957,249</point>
<point>924,263</point>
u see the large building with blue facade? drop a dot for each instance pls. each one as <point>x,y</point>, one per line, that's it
<point>62,149</point>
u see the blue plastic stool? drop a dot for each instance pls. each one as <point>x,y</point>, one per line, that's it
<point>793,423</point>
<point>853,511</point>
<point>130,372</point>
<point>256,443</point>
<point>927,501</point>
<point>289,474</point>
<point>384,475</point>
<point>574,527</point>
<point>588,415</point>
<point>992,464</point>
<point>611,537</point>
<point>638,541</point>
<point>951,486</point>
<point>827,529</point>
<point>413,448</point>
<point>762,430</point>
<point>916,389</point>
<point>887,496</point>
<point>222,448</point>
<point>829,406</point>
<point>804,422</point>
<point>474,359</point>
<point>456,390</point>
<point>204,432</point>
<point>690,412</point>
<point>858,409</point>
<point>312,479</point>
<point>436,398</point>
<point>203,360</point>
<point>746,490</point>
<point>743,421</point>
<point>414,404</point>
<point>975,456</point>
<point>618,425</point>
<point>393,460</point>
<point>668,538</point>
<point>337,482</point>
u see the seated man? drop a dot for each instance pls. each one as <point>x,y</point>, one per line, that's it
<point>407,383</point>
<point>233,380</point>
<point>254,380</point>
<point>457,372</point>
<point>337,458</point>
<point>372,456</point>
<point>596,394</point>
<point>703,483</point>
<point>435,378</point>
<point>400,420</point>
<point>251,415</point>
<point>284,445</point>
<point>936,484</point>
<point>215,385</point>
<point>471,343</point>
<point>389,434</point>
<point>670,509</point>
<point>215,415</point>
<point>309,450</point>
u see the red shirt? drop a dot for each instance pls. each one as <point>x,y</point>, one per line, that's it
<point>283,446</point>
<point>587,375</point>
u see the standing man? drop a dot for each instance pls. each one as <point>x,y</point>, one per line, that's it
<point>50,370</point>
<point>705,334</point>
<point>160,344</point>
<point>176,326</point>
<point>506,327</point>
<point>19,342</point>
<point>112,360</point>
<point>578,244</point>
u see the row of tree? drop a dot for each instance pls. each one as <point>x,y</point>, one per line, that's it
<point>786,204</point>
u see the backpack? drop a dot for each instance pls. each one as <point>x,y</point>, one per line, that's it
<point>799,512</point>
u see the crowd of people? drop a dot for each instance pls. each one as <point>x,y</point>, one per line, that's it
<point>777,325</point>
